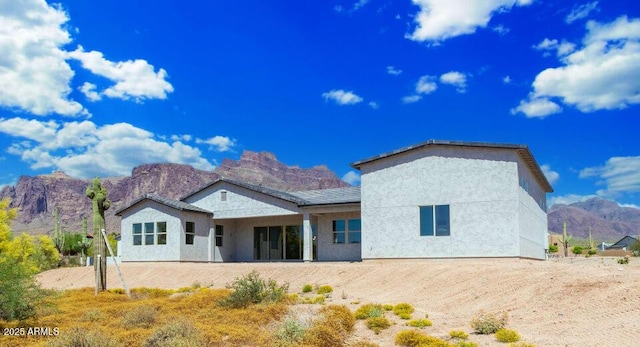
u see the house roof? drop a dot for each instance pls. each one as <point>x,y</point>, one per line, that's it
<point>331,196</point>
<point>522,150</point>
<point>623,242</point>
<point>178,205</point>
<point>264,190</point>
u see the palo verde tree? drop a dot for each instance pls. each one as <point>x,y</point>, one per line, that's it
<point>100,203</point>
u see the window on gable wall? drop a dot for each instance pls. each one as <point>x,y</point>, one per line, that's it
<point>223,196</point>
<point>161,233</point>
<point>148,233</point>
<point>434,220</point>
<point>137,234</point>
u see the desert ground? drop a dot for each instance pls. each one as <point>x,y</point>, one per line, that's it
<point>561,302</point>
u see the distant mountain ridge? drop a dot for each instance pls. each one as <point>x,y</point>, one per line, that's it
<point>608,220</point>
<point>38,196</point>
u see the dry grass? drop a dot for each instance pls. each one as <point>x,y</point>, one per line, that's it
<point>134,322</point>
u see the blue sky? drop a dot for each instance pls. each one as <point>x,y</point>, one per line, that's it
<point>98,87</point>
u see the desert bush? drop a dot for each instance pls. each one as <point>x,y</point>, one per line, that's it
<point>553,249</point>
<point>623,261</point>
<point>78,337</point>
<point>403,310</point>
<point>139,317</point>
<point>19,293</point>
<point>466,344</point>
<point>180,333</point>
<point>289,333</point>
<point>458,334</point>
<point>251,289</point>
<point>307,288</point>
<point>413,338</point>
<point>324,290</point>
<point>387,307</point>
<point>369,311</point>
<point>338,316</point>
<point>592,251</point>
<point>488,323</point>
<point>577,250</point>
<point>506,335</point>
<point>419,323</point>
<point>92,315</point>
<point>332,328</point>
<point>323,336</point>
<point>377,324</point>
<point>522,344</point>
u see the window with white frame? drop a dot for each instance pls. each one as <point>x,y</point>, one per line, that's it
<point>161,233</point>
<point>149,234</point>
<point>347,231</point>
<point>137,234</point>
<point>190,233</point>
<point>223,196</point>
<point>434,220</point>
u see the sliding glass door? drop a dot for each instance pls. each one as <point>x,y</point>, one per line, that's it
<point>278,242</point>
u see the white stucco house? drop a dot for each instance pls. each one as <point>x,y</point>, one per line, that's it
<point>436,199</point>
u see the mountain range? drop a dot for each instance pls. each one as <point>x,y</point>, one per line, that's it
<point>37,197</point>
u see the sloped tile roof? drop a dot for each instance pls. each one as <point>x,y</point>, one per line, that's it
<point>178,205</point>
<point>329,196</point>
<point>264,190</point>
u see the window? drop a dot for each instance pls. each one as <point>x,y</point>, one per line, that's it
<point>219,235</point>
<point>223,196</point>
<point>440,224</point>
<point>354,226</point>
<point>161,233</point>
<point>190,233</point>
<point>339,231</point>
<point>148,233</point>
<point>137,234</point>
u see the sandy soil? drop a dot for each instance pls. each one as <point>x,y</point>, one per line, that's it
<point>561,302</point>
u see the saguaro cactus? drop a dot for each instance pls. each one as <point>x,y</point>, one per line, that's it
<point>564,239</point>
<point>100,203</point>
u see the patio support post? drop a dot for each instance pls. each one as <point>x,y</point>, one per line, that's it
<point>307,247</point>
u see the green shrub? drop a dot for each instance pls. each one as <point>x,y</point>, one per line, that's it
<point>251,289</point>
<point>307,288</point>
<point>420,323</point>
<point>403,310</point>
<point>324,290</point>
<point>488,323</point>
<point>623,261</point>
<point>458,334</point>
<point>319,299</point>
<point>553,249</point>
<point>506,335</point>
<point>577,250</point>
<point>466,344</point>
<point>387,307</point>
<point>592,251</point>
<point>180,333</point>
<point>78,337</point>
<point>19,293</point>
<point>522,344</point>
<point>413,338</point>
<point>289,333</point>
<point>377,324</point>
<point>139,317</point>
<point>369,311</point>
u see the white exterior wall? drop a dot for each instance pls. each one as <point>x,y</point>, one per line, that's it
<point>532,215</point>
<point>200,249</point>
<point>227,252</point>
<point>329,251</point>
<point>240,203</point>
<point>480,185</point>
<point>151,211</point>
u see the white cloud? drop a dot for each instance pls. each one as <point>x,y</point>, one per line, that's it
<point>569,199</point>
<point>183,138</point>
<point>34,75</point>
<point>562,49</point>
<point>352,177</point>
<point>218,143</point>
<point>629,205</point>
<point>425,85</point>
<point>89,91</point>
<point>537,107</point>
<point>603,74</point>
<point>410,99</point>
<point>84,149</point>
<point>135,79</point>
<point>506,80</point>
<point>392,70</point>
<point>342,97</point>
<point>360,4</point>
<point>619,175</point>
<point>581,11</point>
<point>439,20</point>
<point>456,79</point>
<point>552,176</point>
<point>374,105</point>
<point>501,30</point>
